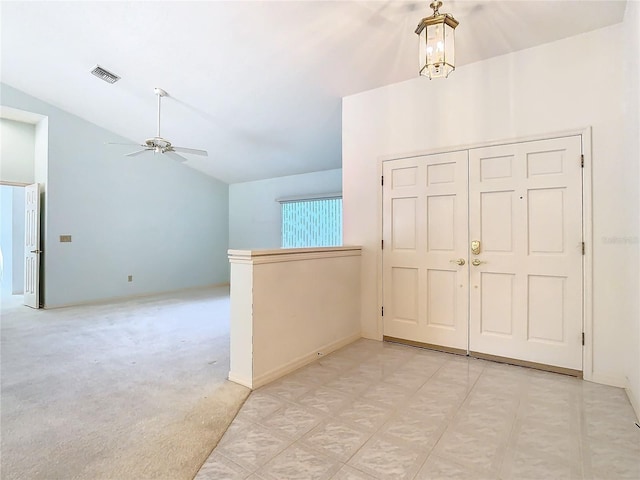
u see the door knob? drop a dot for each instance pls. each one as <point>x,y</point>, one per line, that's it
<point>36,251</point>
<point>459,261</point>
<point>477,262</point>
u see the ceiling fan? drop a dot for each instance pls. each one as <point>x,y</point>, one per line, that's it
<point>161,145</point>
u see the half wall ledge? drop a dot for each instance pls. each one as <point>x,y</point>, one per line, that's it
<point>290,306</point>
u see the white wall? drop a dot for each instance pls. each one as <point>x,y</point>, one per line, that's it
<point>565,85</point>
<point>287,308</point>
<point>632,122</point>
<point>150,217</point>
<point>17,151</point>
<point>254,215</point>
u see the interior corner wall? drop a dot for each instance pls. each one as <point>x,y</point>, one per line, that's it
<point>41,175</point>
<point>17,151</point>
<point>150,217</point>
<point>551,88</point>
<point>255,216</point>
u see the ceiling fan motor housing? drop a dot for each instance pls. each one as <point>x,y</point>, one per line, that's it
<point>159,144</point>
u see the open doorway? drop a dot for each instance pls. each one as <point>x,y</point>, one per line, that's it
<point>12,244</point>
<point>18,154</point>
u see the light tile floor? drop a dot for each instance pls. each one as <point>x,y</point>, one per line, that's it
<point>377,410</point>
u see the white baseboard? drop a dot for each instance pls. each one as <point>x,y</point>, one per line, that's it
<point>301,361</point>
<point>372,336</point>
<point>611,380</point>
<point>245,382</point>
<point>633,399</point>
<point>125,298</point>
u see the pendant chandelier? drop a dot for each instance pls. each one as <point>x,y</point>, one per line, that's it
<point>437,43</point>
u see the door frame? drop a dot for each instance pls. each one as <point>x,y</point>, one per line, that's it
<point>587,227</point>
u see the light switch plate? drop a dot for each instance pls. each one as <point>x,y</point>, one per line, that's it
<point>65,238</point>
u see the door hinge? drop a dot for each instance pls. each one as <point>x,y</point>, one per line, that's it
<point>382,311</point>
<point>582,338</point>
<point>382,180</point>
<point>583,248</point>
<point>582,161</point>
<point>382,244</point>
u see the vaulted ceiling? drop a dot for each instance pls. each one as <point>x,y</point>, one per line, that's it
<point>256,83</point>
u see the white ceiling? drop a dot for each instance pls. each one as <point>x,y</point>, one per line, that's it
<point>257,84</point>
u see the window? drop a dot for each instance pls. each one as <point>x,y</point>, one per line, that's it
<point>312,222</point>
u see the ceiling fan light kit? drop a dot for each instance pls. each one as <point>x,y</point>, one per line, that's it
<point>437,43</point>
<point>161,145</point>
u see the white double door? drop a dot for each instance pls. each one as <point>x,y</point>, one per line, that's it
<point>520,295</point>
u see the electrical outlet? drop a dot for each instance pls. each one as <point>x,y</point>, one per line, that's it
<point>130,278</point>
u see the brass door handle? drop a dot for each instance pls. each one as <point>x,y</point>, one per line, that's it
<point>36,251</point>
<point>459,261</point>
<point>477,262</point>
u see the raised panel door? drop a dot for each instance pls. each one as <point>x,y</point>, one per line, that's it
<point>425,291</point>
<point>525,208</point>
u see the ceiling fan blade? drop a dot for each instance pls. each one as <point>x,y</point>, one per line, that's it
<point>193,151</point>
<point>175,156</point>
<point>133,154</point>
<point>129,144</point>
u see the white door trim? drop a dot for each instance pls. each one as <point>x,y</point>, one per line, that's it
<point>587,226</point>
<point>587,235</point>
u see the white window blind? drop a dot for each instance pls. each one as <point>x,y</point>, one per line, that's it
<point>312,222</point>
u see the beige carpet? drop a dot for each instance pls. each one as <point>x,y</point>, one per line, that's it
<point>130,390</point>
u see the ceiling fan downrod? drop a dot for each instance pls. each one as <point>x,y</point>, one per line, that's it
<point>160,93</point>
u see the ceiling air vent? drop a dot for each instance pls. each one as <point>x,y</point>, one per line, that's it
<point>105,75</point>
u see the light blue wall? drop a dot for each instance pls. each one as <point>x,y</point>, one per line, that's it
<point>254,213</point>
<point>148,216</point>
